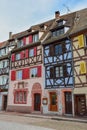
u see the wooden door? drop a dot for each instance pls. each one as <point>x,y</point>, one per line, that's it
<point>68,103</point>
<point>37,102</point>
<point>53,101</point>
<point>4,102</point>
<point>80,105</point>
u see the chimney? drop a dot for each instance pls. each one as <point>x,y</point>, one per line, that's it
<point>10,35</point>
<point>57,15</point>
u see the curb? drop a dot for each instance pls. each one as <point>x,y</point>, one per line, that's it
<point>46,117</point>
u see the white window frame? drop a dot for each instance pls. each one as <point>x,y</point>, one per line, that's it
<point>19,75</point>
<point>33,72</point>
<point>31,52</point>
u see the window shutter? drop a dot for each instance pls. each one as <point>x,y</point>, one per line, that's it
<point>13,75</point>
<point>26,53</point>
<point>83,67</point>
<point>30,39</point>
<point>81,41</point>
<point>65,73</point>
<point>13,57</point>
<point>51,50</point>
<point>24,41</point>
<point>39,72</point>
<point>51,72</point>
<point>35,51</point>
<point>22,55</point>
<point>25,73</point>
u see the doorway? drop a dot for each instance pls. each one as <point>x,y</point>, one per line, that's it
<point>37,102</point>
<point>4,102</point>
<point>53,101</point>
<point>80,105</point>
<point>68,103</point>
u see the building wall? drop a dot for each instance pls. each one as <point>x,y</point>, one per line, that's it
<point>30,83</point>
<point>79,55</point>
<point>60,100</point>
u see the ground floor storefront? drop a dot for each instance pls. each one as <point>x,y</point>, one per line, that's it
<point>58,101</point>
<point>80,101</point>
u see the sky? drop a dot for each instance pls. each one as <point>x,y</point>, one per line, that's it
<point>19,15</point>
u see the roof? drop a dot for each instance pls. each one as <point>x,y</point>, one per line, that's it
<point>77,22</point>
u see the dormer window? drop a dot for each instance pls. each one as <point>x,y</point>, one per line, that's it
<point>58,32</point>
<point>62,22</point>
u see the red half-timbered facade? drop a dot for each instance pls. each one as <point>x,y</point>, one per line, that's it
<point>26,72</point>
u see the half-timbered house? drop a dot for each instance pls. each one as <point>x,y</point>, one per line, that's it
<point>26,74</point>
<point>5,49</point>
<point>79,45</point>
<point>58,66</point>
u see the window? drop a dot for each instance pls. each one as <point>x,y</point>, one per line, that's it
<point>33,72</point>
<point>59,71</point>
<point>3,64</point>
<point>27,40</point>
<point>35,38</point>
<point>18,56</point>
<point>20,96</point>
<point>19,75</point>
<point>3,52</point>
<point>20,43</point>
<point>62,22</point>
<point>58,32</point>
<point>31,52</point>
<point>3,80</point>
<point>58,49</point>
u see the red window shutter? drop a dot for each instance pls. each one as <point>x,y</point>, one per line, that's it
<point>25,73</point>
<point>30,39</point>
<point>13,75</point>
<point>35,51</point>
<point>22,55</point>
<point>39,72</point>
<point>26,53</point>
<point>24,40</point>
<point>13,57</point>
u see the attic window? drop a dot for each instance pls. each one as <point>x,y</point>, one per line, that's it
<point>62,22</point>
<point>58,32</point>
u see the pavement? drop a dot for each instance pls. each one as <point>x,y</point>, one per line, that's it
<point>48,116</point>
<point>16,126</point>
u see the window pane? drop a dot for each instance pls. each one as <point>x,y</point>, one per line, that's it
<point>20,43</point>
<point>21,96</point>
<point>54,33</point>
<point>58,49</point>
<point>18,56</point>
<point>34,72</point>
<point>35,38</point>
<point>17,97</point>
<point>31,52</point>
<point>19,75</point>
<point>25,96</point>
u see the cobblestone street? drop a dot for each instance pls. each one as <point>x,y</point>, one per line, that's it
<point>14,122</point>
